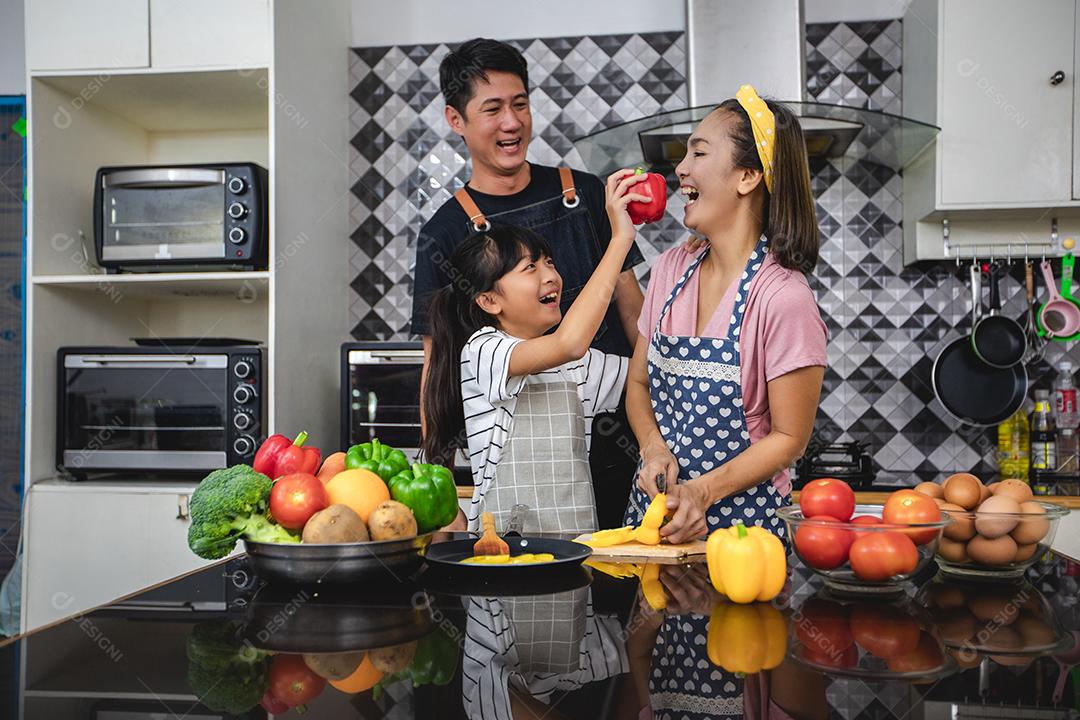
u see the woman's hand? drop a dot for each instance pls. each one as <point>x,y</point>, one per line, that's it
<point>687,504</point>
<point>657,459</point>
<point>617,197</point>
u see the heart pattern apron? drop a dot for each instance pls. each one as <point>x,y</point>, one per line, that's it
<point>696,391</point>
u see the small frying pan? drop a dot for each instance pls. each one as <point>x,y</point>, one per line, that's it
<point>447,556</point>
<point>998,340</point>
<point>1059,316</point>
<point>969,389</point>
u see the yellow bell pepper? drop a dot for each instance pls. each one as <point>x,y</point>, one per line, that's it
<point>746,564</point>
<point>648,533</point>
<point>652,588</point>
<point>607,538</point>
<point>746,638</point>
<point>616,569</point>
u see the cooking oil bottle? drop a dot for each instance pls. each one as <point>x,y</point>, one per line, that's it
<point>1014,446</point>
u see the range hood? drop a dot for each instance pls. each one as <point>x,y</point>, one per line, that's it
<point>725,49</point>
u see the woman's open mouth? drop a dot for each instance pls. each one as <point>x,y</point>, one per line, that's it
<point>690,193</point>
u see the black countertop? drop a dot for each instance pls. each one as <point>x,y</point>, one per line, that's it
<point>573,645</point>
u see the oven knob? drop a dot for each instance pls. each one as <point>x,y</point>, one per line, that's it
<point>237,235</point>
<point>237,186</point>
<point>243,445</point>
<point>243,394</point>
<point>237,210</point>
<point>242,369</point>
<point>241,421</point>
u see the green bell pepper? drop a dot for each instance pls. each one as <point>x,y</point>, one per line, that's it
<point>383,460</point>
<point>435,660</point>
<point>429,491</point>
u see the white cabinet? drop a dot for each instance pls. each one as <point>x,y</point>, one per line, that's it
<point>106,34</point>
<point>1006,120</point>
<point>198,33</point>
<point>90,544</point>
<point>998,78</point>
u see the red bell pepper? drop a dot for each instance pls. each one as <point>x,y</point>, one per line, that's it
<point>655,187</point>
<point>279,456</point>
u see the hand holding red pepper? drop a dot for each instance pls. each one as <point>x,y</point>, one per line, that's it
<point>655,187</point>
<point>280,456</point>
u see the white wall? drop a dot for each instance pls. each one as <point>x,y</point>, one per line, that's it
<point>403,22</point>
<point>820,11</point>
<point>12,52</point>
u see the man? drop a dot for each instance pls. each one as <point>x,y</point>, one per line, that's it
<point>486,87</point>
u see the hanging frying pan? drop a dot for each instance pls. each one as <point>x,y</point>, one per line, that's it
<point>969,389</point>
<point>998,340</point>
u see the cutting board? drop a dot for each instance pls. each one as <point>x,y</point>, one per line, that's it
<point>652,553</point>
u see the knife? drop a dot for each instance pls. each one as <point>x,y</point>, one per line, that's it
<point>661,483</point>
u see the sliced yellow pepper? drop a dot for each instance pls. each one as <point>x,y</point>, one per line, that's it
<point>607,538</point>
<point>617,570</point>
<point>648,533</point>
<point>746,638</point>
<point>746,564</point>
<point>652,588</point>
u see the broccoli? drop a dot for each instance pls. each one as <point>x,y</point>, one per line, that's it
<point>227,675</point>
<point>228,504</point>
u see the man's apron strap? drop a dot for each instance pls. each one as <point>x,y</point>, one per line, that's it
<point>480,223</point>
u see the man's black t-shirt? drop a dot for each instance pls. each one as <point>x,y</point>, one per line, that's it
<point>450,225</point>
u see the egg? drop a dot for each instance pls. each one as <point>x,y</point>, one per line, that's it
<point>1031,530</point>
<point>1012,660</point>
<point>1034,630</point>
<point>946,596</point>
<point>952,550</point>
<point>984,492</point>
<point>1018,490</point>
<point>962,527</point>
<point>988,520</point>
<point>930,489</point>
<point>1024,552</point>
<point>940,501</point>
<point>1000,608</point>
<point>962,489</point>
<point>992,487</point>
<point>1003,639</point>
<point>992,551</point>
<point>965,658</point>
<point>956,626</point>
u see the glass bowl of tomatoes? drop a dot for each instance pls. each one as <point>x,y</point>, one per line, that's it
<point>866,554</point>
<point>997,546</point>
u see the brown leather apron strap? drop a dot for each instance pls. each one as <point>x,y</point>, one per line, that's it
<point>569,192</point>
<point>479,222</point>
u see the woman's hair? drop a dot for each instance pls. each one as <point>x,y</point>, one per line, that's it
<point>474,267</point>
<point>790,219</point>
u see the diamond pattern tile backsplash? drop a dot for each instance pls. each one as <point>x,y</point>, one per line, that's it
<point>886,322</point>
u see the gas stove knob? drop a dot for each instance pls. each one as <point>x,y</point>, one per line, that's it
<point>237,210</point>
<point>243,394</point>
<point>242,369</point>
<point>237,235</point>
<point>244,445</point>
<point>242,421</point>
<point>237,186</point>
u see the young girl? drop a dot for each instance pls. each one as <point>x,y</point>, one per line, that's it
<point>523,398</point>
<point>724,383</point>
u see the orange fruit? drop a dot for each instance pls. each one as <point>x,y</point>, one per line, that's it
<point>361,490</point>
<point>366,674</point>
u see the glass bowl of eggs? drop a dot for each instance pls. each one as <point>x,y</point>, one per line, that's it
<point>997,532</point>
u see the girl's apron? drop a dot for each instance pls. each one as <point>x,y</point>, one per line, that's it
<point>696,391</point>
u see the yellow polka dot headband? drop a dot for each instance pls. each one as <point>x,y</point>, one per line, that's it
<point>763,123</point>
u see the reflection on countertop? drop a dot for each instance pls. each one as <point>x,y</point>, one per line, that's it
<point>608,641</point>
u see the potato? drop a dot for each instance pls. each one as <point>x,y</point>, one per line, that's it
<point>335,666</point>
<point>335,524</point>
<point>393,659</point>
<point>391,521</point>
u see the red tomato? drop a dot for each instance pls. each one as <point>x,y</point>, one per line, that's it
<point>822,625</point>
<point>927,655</point>
<point>877,556</point>
<point>847,658</point>
<point>866,520</point>
<point>272,705</point>
<point>821,547</point>
<point>905,507</point>
<point>884,630</point>
<point>827,496</point>
<point>295,498</point>
<point>292,681</point>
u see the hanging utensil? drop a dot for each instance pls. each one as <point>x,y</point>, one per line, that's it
<point>1036,344</point>
<point>996,339</point>
<point>1059,316</point>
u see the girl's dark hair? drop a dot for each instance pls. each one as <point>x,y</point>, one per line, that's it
<point>479,262</point>
<point>790,219</point>
<point>471,61</point>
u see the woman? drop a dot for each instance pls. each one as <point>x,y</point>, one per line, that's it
<point>726,375</point>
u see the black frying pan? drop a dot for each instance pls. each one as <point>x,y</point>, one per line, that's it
<point>997,340</point>
<point>969,389</point>
<point>447,556</point>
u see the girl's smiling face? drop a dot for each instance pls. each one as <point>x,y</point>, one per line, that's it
<point>708,176</point>
<point>525,300</point>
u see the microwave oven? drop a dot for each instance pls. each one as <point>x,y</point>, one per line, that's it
<point>161,409</point>
<point>181,217</point>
